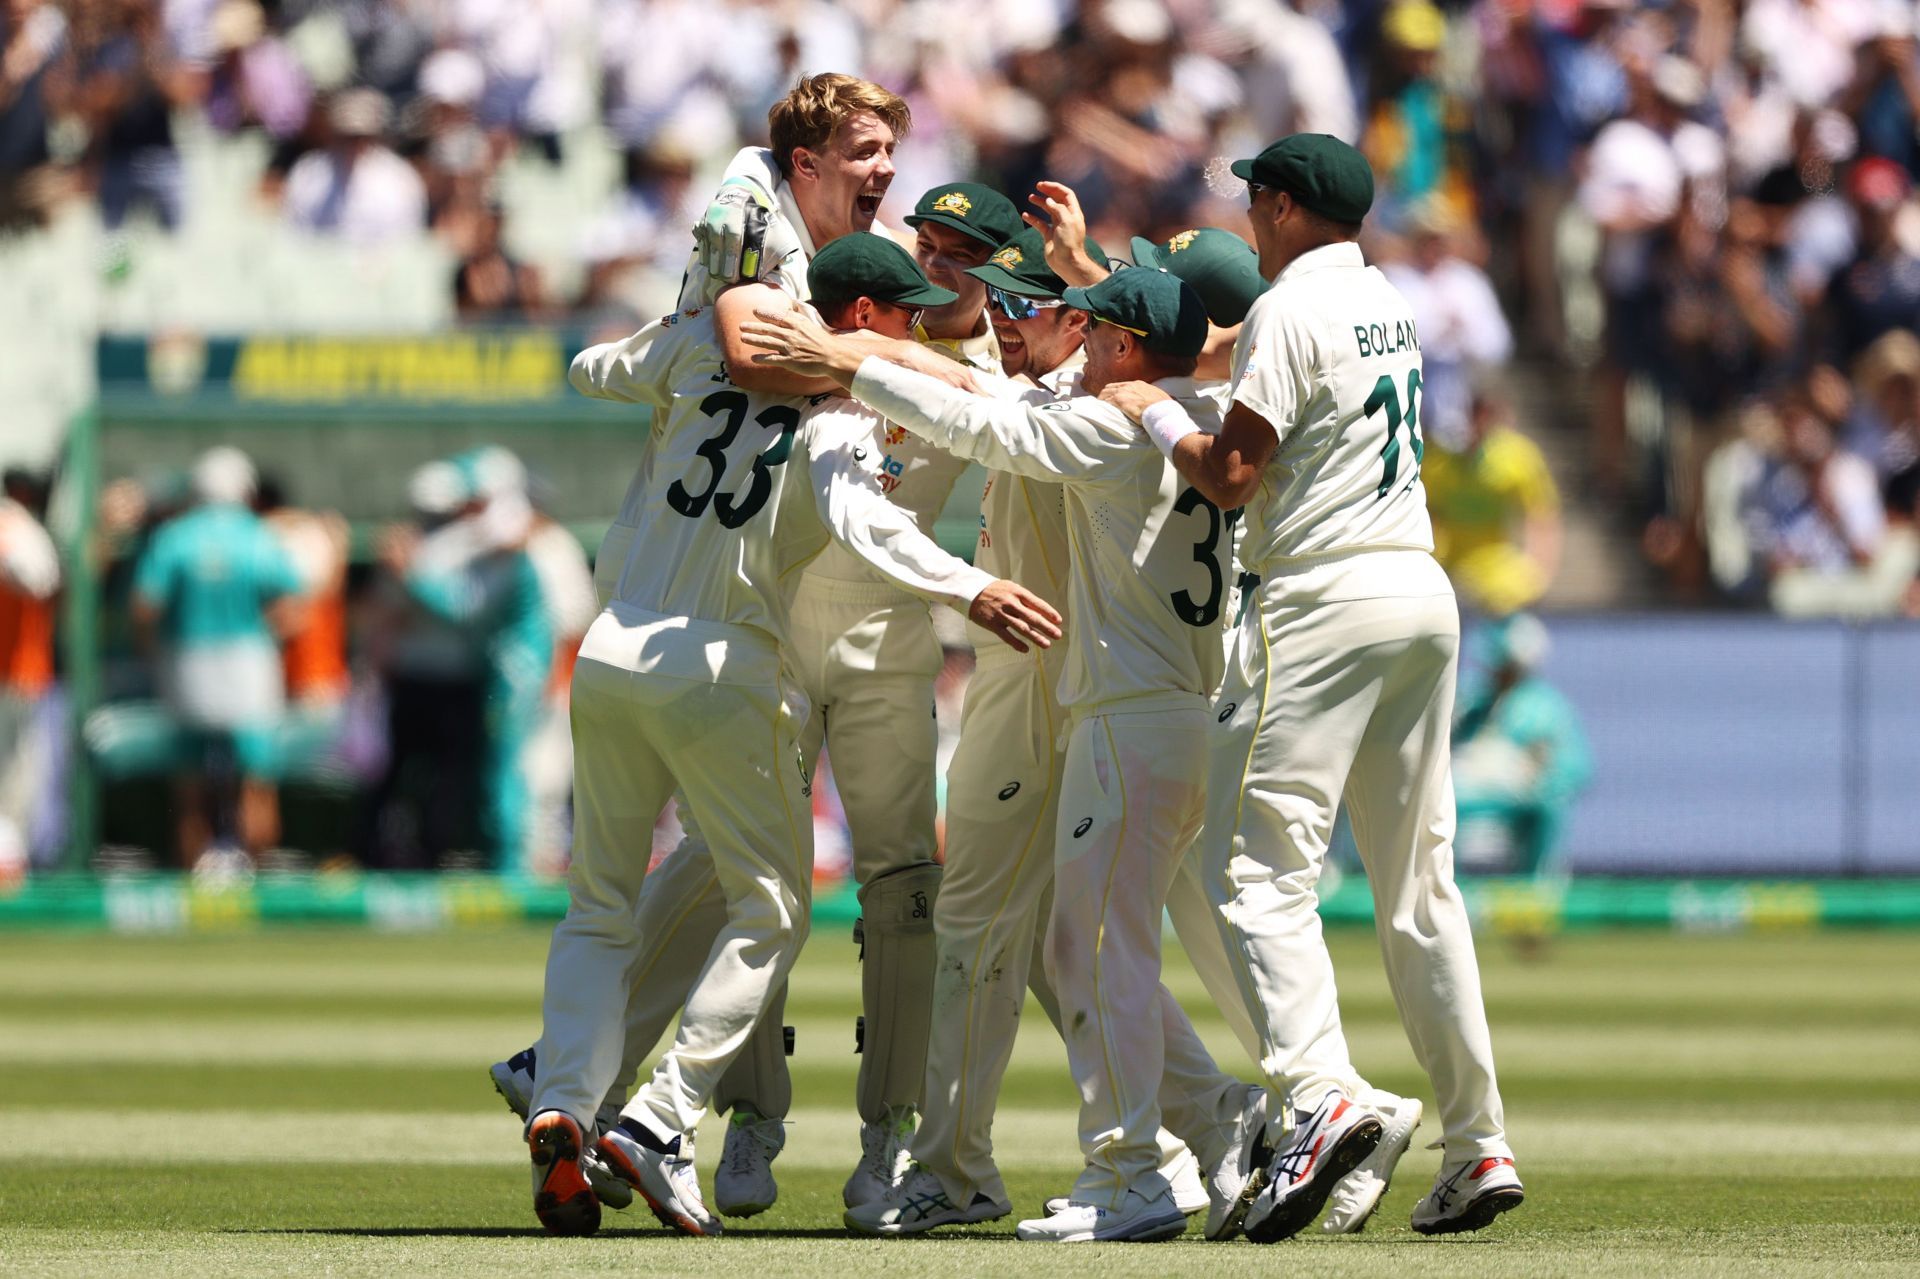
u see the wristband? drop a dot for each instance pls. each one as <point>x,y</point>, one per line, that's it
<point>1168,424</point>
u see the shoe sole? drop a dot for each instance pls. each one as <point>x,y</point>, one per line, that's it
<point>667,1216</point>
<point>1399,1135</point>
<point>1298,1212</point>
<point>1158,1230</point>
<point>741,1210</point>
<point>565,1202</point>
<point>1477,1215</point>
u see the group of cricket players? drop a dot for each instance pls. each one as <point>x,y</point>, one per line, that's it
<point>1206,616</point>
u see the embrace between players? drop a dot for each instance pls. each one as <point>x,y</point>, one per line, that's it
<point>1206,614</point>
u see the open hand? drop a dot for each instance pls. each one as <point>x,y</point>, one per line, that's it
<point>1016,615</point>
<point>792,340</point>
<point>1065,229</point>
<point>1133,398</point>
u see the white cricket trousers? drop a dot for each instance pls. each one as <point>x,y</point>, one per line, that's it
<point>1349,698</point>
<point>1132,796</point>
<point>866,659</point>
<point>732,750</point>
<point>1003,792</point>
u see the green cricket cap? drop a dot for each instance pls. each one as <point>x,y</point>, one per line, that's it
<point>1020,267</point>
<point>980,211</point>
<point>1319,170</point>
<point>1166,314</point>
<point>864,265</point>
<point>1218,265</point>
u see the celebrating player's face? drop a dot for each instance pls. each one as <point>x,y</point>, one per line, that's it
<point>853,172</point>
<point>1104,363</point>
<point>945,254</point>
<point>1039,344</point>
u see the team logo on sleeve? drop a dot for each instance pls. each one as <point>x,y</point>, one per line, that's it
<point>1007,258</point>
<point>954,202</point>
<point>1181,241</point>
<point>895,435</point>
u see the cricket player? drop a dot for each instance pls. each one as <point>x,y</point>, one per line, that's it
<point>680,684</point>
<point>1002,791</point>
<point>1143,655</point>
<point>865,655</point>
<point>1340,687</point>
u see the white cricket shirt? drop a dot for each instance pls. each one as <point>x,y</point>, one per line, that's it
<point>1147,553</point>
<point>715,528</point>
<point>1330,357</point>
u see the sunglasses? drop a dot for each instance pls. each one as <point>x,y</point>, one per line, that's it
<point>1254,189</point>
<point>913,312</point>
<point>1015,307</point>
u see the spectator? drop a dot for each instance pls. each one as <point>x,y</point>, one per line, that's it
<point>1880,290</point>
<point>254,79</point>
<point>29,581</point>
<point>211,592</point>
<point>33,34</point>
<point>355,187</point>
<point>313,656</point>
<point>1520,759</point>
<point>1823,524</point>
<point>1462,328</point>
<point>127,84</point>
<point>490,284</point>
<point>1496,511</point>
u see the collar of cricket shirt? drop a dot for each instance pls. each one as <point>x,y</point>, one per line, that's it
<point>1344,253</point>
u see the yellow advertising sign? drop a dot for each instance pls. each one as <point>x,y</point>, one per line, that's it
<point>479,367</point>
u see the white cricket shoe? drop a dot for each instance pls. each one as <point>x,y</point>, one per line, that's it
<point>1183,1179</point>
<point>1137,1220</point>
<point>743,1186</point>
<point>1361,1190</point>
<point>513,1080</point>
<point>562,1197</point>
<point>1467,1195</point>
<point>662,1171</point>
<point>919,1204</point>
<point>1323,1147</point>
<point>883,1158</point>
<point>1242,1171</point>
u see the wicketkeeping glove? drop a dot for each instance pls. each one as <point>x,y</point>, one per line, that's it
<point>731,237</point>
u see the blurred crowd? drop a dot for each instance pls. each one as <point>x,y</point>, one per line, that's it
<point>1703,209</point>
<point>422,690</point>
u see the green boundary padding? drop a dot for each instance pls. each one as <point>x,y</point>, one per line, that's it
<point>420,902</point>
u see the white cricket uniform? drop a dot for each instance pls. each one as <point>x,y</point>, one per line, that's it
<point>1340,687</point>
<point>1141,657</point>
<point>680,685</point>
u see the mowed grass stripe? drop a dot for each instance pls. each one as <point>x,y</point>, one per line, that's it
<point>304,1090</point>
<point>1878,1052</point>
<point>1705,1143</point>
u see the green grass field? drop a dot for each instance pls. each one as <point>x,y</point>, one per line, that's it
<point>301,1102</point>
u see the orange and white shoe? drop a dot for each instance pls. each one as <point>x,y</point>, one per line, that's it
<point>1467,1195</point>
<point>562,1197</point>
<point>662,1171</point>
<point>1323,1147</point>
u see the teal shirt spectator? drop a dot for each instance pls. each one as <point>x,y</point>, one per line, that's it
<point>211,574</point>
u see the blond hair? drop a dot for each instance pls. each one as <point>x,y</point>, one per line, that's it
<point>811,114</point>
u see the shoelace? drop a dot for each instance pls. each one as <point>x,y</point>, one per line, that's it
<point>740,1154</point>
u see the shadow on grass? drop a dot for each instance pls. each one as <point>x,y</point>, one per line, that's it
<point>535,1232</point>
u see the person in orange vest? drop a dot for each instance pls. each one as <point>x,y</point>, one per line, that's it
<point>29,582</point>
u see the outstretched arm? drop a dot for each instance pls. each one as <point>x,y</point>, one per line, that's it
<point>886,537</point>
<point>1225,467</point>
<point>1065,229</point>
<point>1050,443</point>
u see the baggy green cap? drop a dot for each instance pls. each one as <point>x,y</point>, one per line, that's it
<point>980,211</point>
<point>1317,169</point>
<point>1218,265</point>
<point>1020,267</point>
<point>864,265</point>
<point>1158,307</point>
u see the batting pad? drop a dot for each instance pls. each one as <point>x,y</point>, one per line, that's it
<point>896,986</point>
